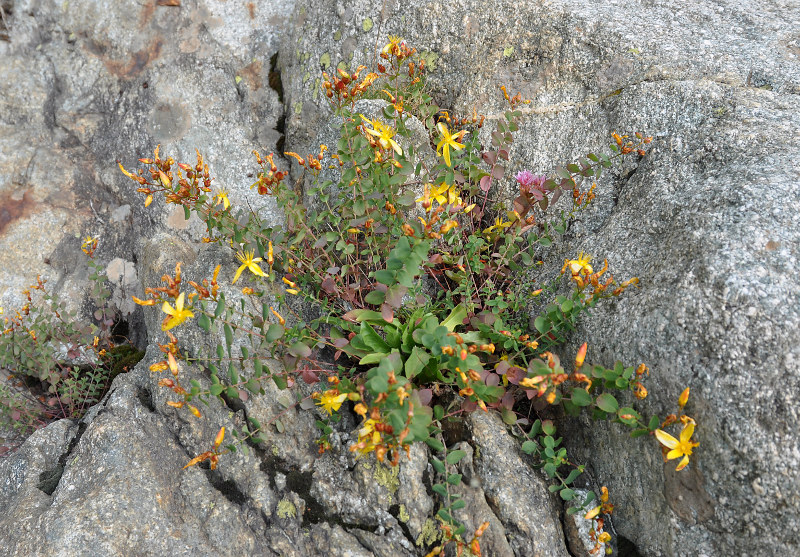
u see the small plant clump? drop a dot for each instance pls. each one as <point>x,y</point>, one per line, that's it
<point>55,366</point>
<point>429,290</point>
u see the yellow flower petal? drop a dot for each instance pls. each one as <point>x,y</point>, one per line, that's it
<point>666,439</point>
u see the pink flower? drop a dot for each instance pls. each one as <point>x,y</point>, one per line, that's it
<point>531,183</point>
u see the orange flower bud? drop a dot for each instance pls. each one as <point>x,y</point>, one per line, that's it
<point>195,411</point>
<point>684,398</point>
<point>173,364</point>
<point>218,439</point>
<point>281,320</point>
<point>175,404</point>
<point>581,356</point>
<point>592,513</point>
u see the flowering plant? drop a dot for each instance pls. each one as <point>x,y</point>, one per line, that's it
<point>427,284</point>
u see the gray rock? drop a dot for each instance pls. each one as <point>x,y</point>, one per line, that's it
<point>703,221</point>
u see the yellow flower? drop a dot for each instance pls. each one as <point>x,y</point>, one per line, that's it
<point>393,42</point>
<point>222,197</point>
<point>443,194</point>
<point>448,140</point>
<point>331,402</point>
<point>248,262</point>
<point>176,315</point>
<point>384,135</point>
<point>499,224</point>
<point>368,437</point>
<point>580,265</point>
<point>679,447</point>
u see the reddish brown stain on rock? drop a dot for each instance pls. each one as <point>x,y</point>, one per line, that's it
<point>251,9</point>
<point>147,12</point>
<point>12,210</point>
<point>253,74</point>
<point>137,62</point>
<point>126,69</point>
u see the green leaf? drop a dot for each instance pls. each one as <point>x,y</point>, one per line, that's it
<point>217,389</point>
<point>639,432</point>
<point>574,473</point>
<point>228,335</point>
<point>372,339</point>
<point>567,494</point>
<point>581,398</point>
<point>436,445</point>
<point>253,386</point>
<point>299,350</point>
<point>376,297</point>
<point>653,424</point>
<point>458,504</point>
<point>204,322</point>
<point>440,489</point>
<point>438,465</point>
<point>541,324</point>
<point>454,479</point>
<point>280,381</point>
<point>274,332</point>
<point>385,277</point>
<point>220,306</point>
<point>607,403</point>
<point>455,456</point>
<point>444,515</point>
<point>416,362</point>
<point>373,358</point>
<point>455,318</point>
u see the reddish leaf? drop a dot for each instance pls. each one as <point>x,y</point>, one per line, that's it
<point>387,313</point>
<point>309,377</point>
<point>489,157</point>
<point>328,285</point>
<point>502,367</point>
<point>425,396</point>
<point>486,183</point>
<point>498,171</point>
<point>515,374</point>
<point>394,295</point>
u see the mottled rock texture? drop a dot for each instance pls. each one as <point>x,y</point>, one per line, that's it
<point>707,220</point>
